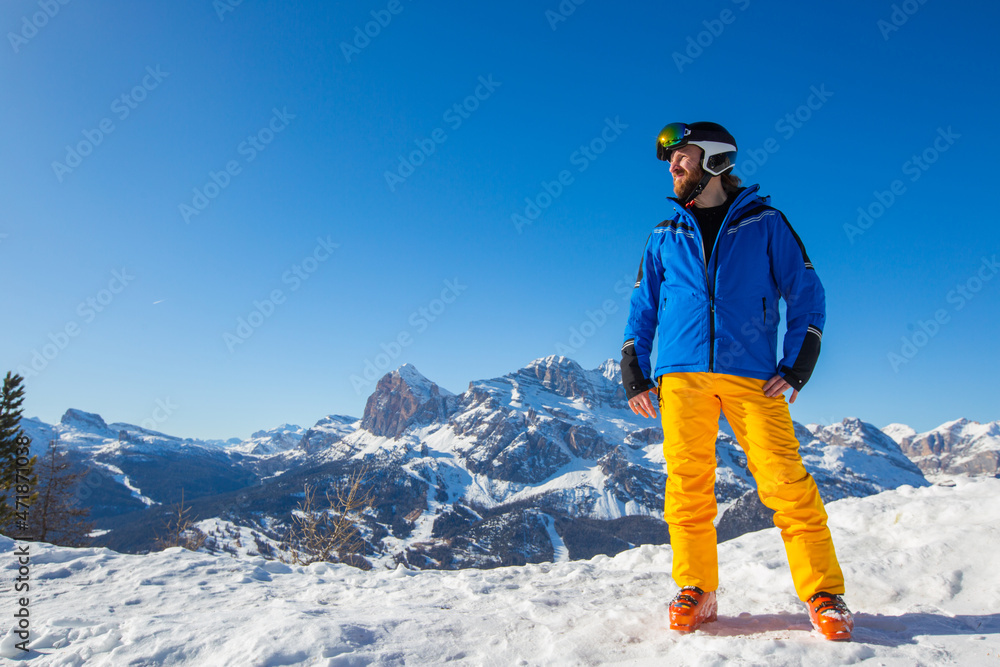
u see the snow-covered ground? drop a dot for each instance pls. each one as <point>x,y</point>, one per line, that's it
<point>921,566</point>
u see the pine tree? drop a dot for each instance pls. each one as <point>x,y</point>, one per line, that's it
<point>17,479</point>
<point>56,516</point>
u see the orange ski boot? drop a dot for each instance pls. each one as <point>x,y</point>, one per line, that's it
<point>830,616</point>
<point>691,607</point>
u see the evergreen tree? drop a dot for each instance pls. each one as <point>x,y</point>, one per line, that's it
<point>16,478</point>
<point>56,517</point>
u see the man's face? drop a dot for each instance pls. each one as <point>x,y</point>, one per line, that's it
<point>685,167</point>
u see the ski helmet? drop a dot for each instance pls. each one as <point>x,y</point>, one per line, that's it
<point>718,146</point>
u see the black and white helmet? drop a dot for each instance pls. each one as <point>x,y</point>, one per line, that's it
<point>718,145</point>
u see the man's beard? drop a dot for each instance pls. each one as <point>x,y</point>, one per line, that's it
<point>686,183</point>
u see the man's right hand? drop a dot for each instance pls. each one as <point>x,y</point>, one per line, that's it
<point>643,405</point>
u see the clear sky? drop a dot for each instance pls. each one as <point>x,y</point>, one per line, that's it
<point>217,216</point>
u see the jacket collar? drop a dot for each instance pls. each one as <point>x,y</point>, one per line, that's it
<point>744,200</point>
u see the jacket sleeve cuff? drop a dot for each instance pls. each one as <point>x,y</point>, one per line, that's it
<point>633,389</point>
<point>634,380</point>
<point>799,373</point>
<point>796,380</point>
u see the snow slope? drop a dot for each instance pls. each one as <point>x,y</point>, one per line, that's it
<point>920,565</point>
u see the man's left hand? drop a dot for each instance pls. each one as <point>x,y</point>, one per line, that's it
<point>777,386</point>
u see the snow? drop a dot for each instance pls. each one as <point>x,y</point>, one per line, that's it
<point>956,446</point>
<point>87,422</point>
<point>899,431</point>
<point>237,540</point>
<point>920,566</point>
<point>559,549</point>
<point>611,371</point>
<point>974,435</point>
<point>284,438</point>
<point>422,388</point>
<point>120,477</point>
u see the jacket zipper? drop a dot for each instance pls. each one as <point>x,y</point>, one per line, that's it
<point>711,283</point>
<point>711,318</point>
<point>711,293</point>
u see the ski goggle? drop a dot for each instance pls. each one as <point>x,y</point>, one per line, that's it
<point>672,136</point>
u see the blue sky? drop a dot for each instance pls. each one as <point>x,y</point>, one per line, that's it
<point>247,159</point>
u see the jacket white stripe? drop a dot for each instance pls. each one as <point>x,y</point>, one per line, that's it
<point>756,218</point>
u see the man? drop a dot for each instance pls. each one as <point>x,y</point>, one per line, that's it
<point>708,286</point>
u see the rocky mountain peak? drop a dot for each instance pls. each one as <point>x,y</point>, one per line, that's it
<point>856,434</point>
<point>955,447</point>
<point>403,397</point>
<point>326,433</point>
<point>283,429</point>
<point>564,377</point>
<point>899,432</point>
<point>88,422</point>
<point>611,369</point>
<point>270,441</point>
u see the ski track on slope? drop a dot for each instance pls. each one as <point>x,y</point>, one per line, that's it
<point>920,566</point>
<point>119,476</point>
<point>559,549</point>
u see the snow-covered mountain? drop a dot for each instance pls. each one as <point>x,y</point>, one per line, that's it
<point>543,463</point>
<point>326,432</point>
<point>129,468</point>
<point>552,454</point>
<point>956,447</point>
<point>919,564</point>
<point>272,441</point>
<point>88,432</point>
<point>853,458</point>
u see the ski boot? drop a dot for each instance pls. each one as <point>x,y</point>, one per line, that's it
<point>691,607</point>
<point>830,616</point>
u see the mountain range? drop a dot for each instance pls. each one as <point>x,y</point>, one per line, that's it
<point>544,463</point>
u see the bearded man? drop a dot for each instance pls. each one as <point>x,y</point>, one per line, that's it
<point>708,287</point>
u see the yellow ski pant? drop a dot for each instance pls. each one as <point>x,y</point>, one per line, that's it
<point>689,405</point>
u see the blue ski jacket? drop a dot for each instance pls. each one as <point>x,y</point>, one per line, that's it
<point>721,315</point>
